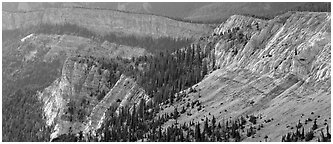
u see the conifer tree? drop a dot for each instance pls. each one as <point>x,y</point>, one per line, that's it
<point>206,127</point>
<point>315,126</point>
<point>197,133</point>
<point>213,122</point>
<point>175,113</point>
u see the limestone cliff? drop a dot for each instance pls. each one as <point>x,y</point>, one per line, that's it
<point>288,64</point>
<point>105,21</point>
<point>79,99</point>
<point>277,69</point>
<point>297,43</point>
<point>79,83</point>
<point>126,90</point>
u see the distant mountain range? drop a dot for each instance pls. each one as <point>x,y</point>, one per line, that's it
<point>196,11</point>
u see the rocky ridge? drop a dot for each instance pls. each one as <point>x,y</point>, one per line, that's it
<point>277,69</point>
<point>48,49</point>
<point>106,21</point>
<point>77,83</point>
<point>126,91</point>
<point>82,82</point>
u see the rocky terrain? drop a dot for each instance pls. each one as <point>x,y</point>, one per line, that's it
<point>86,84</point>
<point>225,10</point>
<point>49,52</point>
<point>277,70</point>
<point>204,12</point>
<point>103,21</point>
<point>125,93</point>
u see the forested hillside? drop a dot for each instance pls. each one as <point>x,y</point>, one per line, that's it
<point>153,45</point>
<point>249,80</point>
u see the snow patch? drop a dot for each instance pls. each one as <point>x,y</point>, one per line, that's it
<point>28,36</point>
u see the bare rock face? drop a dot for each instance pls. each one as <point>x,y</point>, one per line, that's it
<point>72,103</point>
<point>105,21</point>
<point>284,69</point>
<point>126,92</point>
<point>299,45</point>
<point>123,51</point>
<point>277,69</point>
<point>72,87</point>
<point>56,45</point>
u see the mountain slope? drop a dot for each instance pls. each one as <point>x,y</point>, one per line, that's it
<point>170,9</point>
<point>103,21</point>
<point>212,12</point>
<point>38,59</point>
<point>80,98</point>
<point>277,70</point>
<point>35,63</point>
<point>222,11</point>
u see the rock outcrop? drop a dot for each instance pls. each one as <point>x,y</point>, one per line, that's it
<point>56,45</point>
<point>124,93</point>
<point>288,62</point>
<point>105,21</point>
<point>277,69</point>
<point>79,83</point>
<point>79,99</point>
<point>297,43</point>
<point>40,57</point>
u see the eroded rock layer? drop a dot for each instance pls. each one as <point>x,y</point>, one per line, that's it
<point>277,70</point>
<point>79,84</point>
<point>79,99</point>
<point>105,21</point>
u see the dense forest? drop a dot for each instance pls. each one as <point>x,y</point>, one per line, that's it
<point>22,117</point>
<point>167,74</point>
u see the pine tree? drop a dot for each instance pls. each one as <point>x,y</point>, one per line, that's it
<point>219,126</point>
<point>171,98</point>
<point>188,136</point>
<point>302,133</point>
<point>141,108</point>
<point>206,127</point>
<point>181,137</point>
<point>197,133</point>
<point>315,126</point>
<point>299,125</point>
<point>213,122</point>
<point>175,113</point>
<point>204,68</point>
